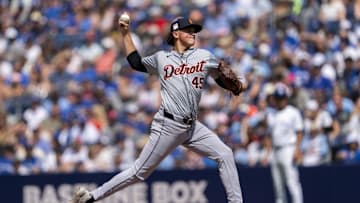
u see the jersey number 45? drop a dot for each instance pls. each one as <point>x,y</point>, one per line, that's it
<point>198,82</point>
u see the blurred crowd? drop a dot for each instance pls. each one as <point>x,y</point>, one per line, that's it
<point>69,102</point>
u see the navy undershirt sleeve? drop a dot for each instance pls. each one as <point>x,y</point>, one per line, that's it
<point>134,60</point>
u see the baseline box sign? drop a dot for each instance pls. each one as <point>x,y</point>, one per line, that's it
<point>161,187</point>
<point>161,192</point>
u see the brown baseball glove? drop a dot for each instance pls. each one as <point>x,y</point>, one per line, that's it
<point>229,80</point>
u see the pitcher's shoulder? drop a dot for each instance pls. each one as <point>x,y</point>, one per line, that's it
<point>201,50</point>
<point>204,53</point>
<point>163,53</point>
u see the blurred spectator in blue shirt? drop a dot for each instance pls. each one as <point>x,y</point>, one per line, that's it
<point>7,157</point>
<point>350,153</point>
<point>31,164</point>
<point>60,77</point>
<point>317,81</point>
<point>216,23</point>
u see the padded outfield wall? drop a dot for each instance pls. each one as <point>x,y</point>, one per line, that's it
<point>329,184</point>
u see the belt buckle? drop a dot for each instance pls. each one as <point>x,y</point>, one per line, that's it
<point>187,121</point>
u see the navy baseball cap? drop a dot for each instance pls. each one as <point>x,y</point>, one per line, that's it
<point>179,24</point>
<point>281,92</point>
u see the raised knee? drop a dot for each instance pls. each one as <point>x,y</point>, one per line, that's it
<point>142,173</point>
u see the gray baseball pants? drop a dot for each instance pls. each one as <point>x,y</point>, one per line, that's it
<point>166,134</point>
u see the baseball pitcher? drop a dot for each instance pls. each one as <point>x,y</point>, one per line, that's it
<point>182,72</point>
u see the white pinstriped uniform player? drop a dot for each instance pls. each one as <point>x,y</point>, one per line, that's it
<point>182,76</point>
<point>286,125</point>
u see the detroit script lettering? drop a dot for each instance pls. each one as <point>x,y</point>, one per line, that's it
<point>183,69</point>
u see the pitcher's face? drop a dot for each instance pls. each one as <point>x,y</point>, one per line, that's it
<point>187,36</point>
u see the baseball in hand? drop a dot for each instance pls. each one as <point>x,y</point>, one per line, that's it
<point>125,18</point>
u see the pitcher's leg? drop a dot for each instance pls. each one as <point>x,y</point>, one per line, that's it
<point>207,143</point>
<point>118,182</point>
<point>161,142</point>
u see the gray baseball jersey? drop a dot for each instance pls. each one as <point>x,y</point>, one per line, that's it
<point>182,78</point>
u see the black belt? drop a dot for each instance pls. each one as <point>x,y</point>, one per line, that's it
<point>281,147</point>
<point>187,121</point>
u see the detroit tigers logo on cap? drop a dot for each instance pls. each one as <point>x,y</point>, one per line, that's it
<point>175,26</point>
<point>179,24</point>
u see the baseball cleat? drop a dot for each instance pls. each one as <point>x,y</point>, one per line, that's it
<point>81,195</point>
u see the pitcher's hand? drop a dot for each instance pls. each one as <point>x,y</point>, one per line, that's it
<point>124,23</point>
